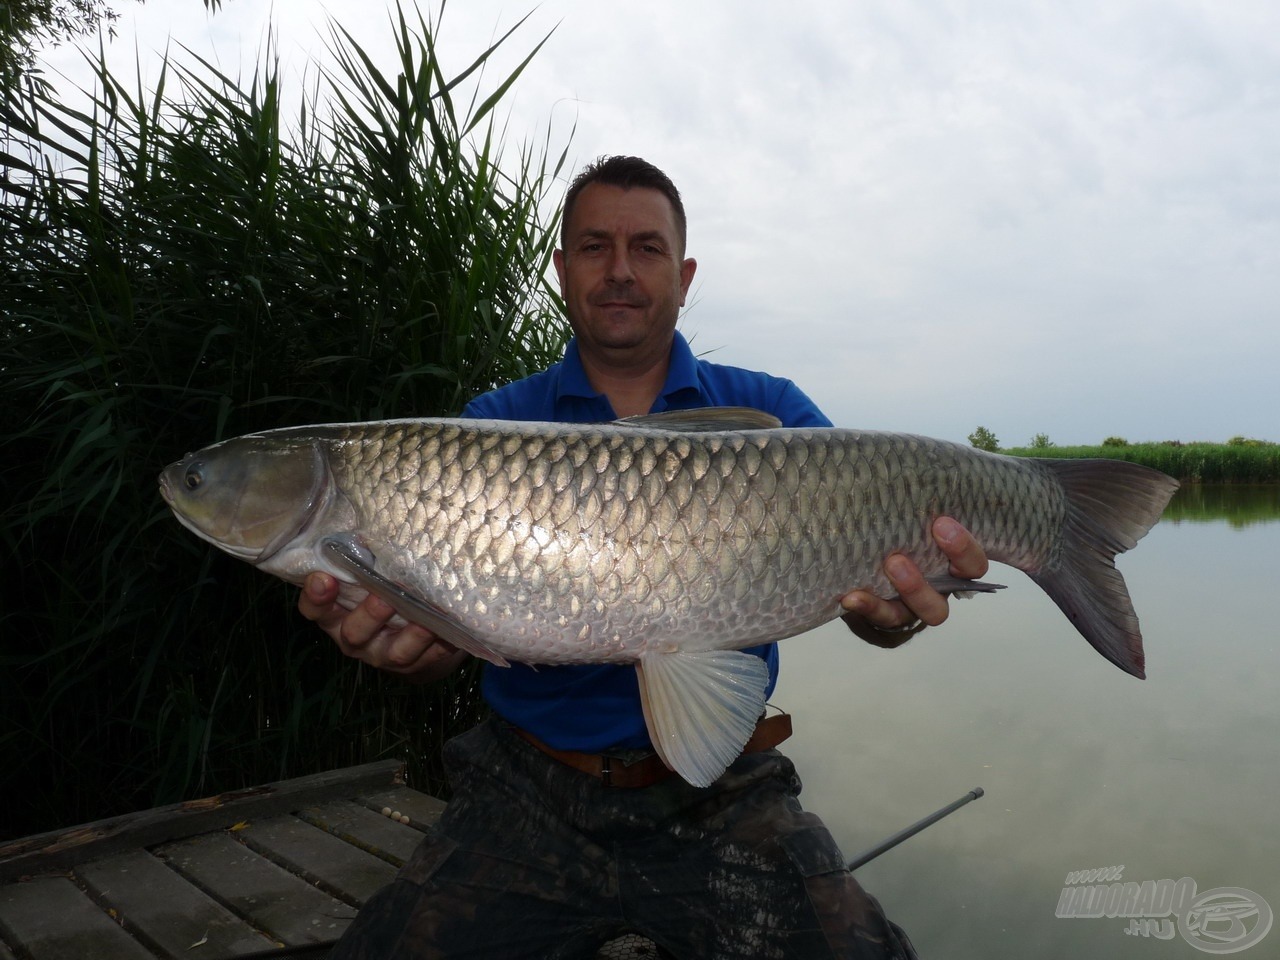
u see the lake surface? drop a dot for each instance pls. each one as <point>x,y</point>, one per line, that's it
<point>1083,766</point>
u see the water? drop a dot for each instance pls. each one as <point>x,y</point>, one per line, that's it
<point>1083,766</point>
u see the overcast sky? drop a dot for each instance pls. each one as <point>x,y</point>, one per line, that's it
<point>1039,217</point>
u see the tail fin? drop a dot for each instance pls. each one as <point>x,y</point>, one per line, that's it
<point>1111,505</point>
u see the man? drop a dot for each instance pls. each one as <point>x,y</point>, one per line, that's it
<point>564,830</point>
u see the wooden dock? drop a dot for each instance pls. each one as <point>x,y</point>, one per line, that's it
<point>275,871</point>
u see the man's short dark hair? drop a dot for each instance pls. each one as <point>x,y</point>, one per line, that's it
<point>624,172</point>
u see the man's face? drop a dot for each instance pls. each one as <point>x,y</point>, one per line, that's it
<point>622,272</point>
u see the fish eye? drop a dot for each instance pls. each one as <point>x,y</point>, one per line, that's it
<point>193,477</point>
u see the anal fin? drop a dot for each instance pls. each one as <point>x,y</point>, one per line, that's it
<point>964,589</point>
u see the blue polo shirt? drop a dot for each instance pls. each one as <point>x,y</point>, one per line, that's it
<point>595,707</point>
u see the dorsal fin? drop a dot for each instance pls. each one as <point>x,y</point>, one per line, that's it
<point>705,420</point>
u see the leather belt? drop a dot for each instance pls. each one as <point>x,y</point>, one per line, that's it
<point>649,769</point>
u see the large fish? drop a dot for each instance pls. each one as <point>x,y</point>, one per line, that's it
<point>670,541</point>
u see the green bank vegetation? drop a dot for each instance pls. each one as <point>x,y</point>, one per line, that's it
<point>1188,462</point>
<point>185,264</point>
<point>1239,460</point>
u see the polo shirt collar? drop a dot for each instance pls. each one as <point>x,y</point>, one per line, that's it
<point>682,374</point>
<point>573,380</point>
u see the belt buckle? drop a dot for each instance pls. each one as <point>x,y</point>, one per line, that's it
<point>606,770</point>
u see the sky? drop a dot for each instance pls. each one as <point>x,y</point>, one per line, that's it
<point>1041,218</point>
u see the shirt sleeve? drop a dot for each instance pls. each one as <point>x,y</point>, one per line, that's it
<point>533,398</point>
<point>794,408</point>
<point>506,403</point>
<point>481,408</point>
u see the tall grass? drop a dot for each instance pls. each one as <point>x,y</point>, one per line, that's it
<point>1188,462</point>
<point>183,264</point>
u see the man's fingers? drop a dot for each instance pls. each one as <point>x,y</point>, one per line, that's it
<point>352,629</point>
<point>406,648</point>
<point>362,633</point>
<point>410,651</point>
<point>914,592</point>
<point>415,652</point>
<point>319,593</point>
<point>889,623</point>
<point>365,622</point>
<point>881,613</point>
<point>916,595</point>
<point>967,557</point>
<point>883,623</point>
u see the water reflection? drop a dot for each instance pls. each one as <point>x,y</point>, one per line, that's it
<point>1083,766</point>
<point>1240,505</point>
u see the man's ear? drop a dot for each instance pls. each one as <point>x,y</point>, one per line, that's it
<point>557,258</point>
<point>688,268</point>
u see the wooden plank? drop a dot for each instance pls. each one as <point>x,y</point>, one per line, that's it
<point>422,810</point>
<point>168,914</point>
<point>368,830</point>
<point>316,856</point>
<point>53,920</point>
<point>269,897</point>
<point>62,849</point>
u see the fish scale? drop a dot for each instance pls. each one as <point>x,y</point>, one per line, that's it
<point>671,541</point>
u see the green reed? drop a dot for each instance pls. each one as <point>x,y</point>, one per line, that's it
<point>182,264</point>
<point>1188,462</point>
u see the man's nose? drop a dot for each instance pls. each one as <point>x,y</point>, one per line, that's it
<point>620,268</point>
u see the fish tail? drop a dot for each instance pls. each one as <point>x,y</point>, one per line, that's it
<point>1111,504</point>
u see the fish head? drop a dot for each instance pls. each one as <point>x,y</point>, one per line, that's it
<point>249,496</point>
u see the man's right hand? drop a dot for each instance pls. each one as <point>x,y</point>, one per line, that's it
<point>411,651</point>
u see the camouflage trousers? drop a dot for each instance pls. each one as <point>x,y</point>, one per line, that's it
<point>534,859</point>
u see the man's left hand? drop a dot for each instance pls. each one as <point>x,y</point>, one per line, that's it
<point>890,623</point>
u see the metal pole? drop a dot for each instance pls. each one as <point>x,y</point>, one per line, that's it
<point>868,855</point>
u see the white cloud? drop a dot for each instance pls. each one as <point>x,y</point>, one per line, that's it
<point>1040,217</point>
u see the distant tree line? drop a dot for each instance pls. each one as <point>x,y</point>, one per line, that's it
<point>1240,460</point>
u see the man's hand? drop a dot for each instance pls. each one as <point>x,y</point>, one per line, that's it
<point>412,651</point>
<point>890,623</point>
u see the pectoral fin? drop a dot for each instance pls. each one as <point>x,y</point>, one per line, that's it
<point>701,708</point>
<point>359,563</point>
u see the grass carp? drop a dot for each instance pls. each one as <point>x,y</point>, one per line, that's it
<point>670,541</point>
